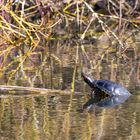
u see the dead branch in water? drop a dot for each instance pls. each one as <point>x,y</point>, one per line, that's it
<point>19,90</point>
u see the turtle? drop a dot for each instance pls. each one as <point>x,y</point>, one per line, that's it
<point>105,87</point>
<point>104,93</point>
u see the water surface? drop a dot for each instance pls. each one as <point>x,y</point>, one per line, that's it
<point>59,117</point>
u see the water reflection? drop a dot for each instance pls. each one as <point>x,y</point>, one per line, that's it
<point>56,117</point>
<point>110,101</point>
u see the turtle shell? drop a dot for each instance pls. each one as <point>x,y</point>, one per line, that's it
<point>110,87</point>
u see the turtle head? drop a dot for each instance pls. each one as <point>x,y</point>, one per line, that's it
<point>88,79</point>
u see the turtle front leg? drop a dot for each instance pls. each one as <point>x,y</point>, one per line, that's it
<point>92,93</point>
